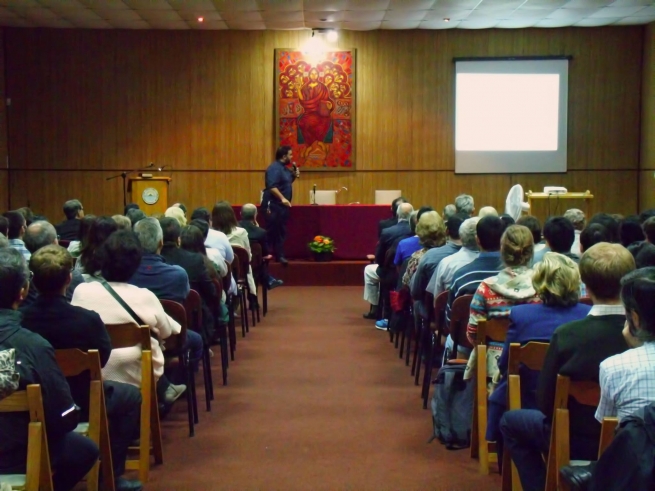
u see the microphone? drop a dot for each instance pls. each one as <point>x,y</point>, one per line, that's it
<point>314,198</point>
<point>161,168</point>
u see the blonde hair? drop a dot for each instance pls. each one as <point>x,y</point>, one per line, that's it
<point>516,246</point>
<point>601,268</point>
<point>177,213</point>
<point>556,280</point>
<point>123,222</point>
<point>431,230</point>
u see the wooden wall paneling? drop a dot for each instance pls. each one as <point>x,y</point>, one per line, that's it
<point>4,190</point>
<point>648,101</point>
<point>646,189</point>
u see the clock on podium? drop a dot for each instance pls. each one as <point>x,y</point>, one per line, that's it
<point>150,193</point>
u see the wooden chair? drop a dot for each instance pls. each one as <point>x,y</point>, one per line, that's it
<point>127,336</point>
<point>175,348</point>
<point>241,277</point>
<point>532,356</point>
<point>434,342</point>
<point>73,362</point>
<point>585,392</point>
<point>38,475</point>
<point>490,330</point>
<point>459,319</point>
<point>231,335</point>
<point>423,336</point>
<point>259,266</point>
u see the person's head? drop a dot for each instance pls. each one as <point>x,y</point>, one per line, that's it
<point>51,266</point>
<point>487,210</point>
<point>177,213</point>
<point>73,209</point>
<point>16,224</point>
<point>448,211</point>
<point>395,204</point>
<point>122,222</point>
<point>284,154</point>
<point>533,224</point>
<point>130,206</point>
<point>85,225</point>
<point>171,230</point>
<point>421,210</point>
<point>637,293</point>
<point>27,213</point>
<point>182,207</point>
<point>135,215</point>
<point>556,280</point>
<point>99,230</point>
<point>453,224</point>
<point>249,212</point>
<point>601,268</point>
<point>192,239</point>
<point>14,278</point>
<point>630,230</point>
<point>202,225</point>
<point>121,256</point>
<point>593,234</point>
<point>223,217</point>
<point>4,225</point>
<point>576,217</point>
<point>610,223</point>
<point>413,220</point>
<point>464,204</point>
<point>516,246</point>
<point>38,235</point>
<point>150,235</point>
<point>431,230</point>
<point>404,211</point>
<point>313,74</point>
<point>507,220</point>
<point>649,229</point>
<point>646,214</point>
<point>201,213</point>
<point>467,233</point>
<point>489,230</point>
<point>559,234</point>
<point>646,256</point>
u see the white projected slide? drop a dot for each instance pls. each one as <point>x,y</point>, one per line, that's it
<point>510,116</point>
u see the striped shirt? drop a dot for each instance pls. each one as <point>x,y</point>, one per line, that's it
<point>19,245</point>
<point>443,275</point>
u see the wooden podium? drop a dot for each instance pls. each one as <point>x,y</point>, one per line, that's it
<point>150,193</point>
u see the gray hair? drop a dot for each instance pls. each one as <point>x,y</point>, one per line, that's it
<point>404,211</point>
<point>576,217</point>
<point>413,219</point>
<point>13,276</point>
<point>248,211</point>
<point>38,235</point>
<point>467,233</point>
<point>150,234</point>
<point>448,211</point>
<point>71,207</point>
<point>464,204</point>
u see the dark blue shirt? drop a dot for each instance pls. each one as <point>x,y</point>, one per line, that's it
<point>166,281</point>
<point>278,176</point>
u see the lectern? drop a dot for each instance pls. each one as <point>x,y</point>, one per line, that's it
<point>150,193</point>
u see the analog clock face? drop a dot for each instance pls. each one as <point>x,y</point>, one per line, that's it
<point>150,196</point>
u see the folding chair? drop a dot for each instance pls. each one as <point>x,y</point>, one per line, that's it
<point>531,356</point>
<point>459,319</point>
<point>73,362</point>
<point>433,342</point>
<point>175,347</point>
<point>241,276</point>
<point>423,337</point>
<point>38,475</point>
<point>494,330</point>
<point>127,336</point>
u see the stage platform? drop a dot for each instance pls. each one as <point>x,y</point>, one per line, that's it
<point>310,273</point>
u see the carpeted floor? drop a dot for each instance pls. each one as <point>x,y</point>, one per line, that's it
<point>317,400</point>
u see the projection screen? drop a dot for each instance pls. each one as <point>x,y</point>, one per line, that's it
<point>511,116</point>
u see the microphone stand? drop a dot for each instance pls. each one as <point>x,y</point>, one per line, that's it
<point>124,174</point>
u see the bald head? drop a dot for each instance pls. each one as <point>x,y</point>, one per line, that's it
<point>487,211</point>
<point>39,234</point>
<point>404,211</point>
<point>248,212</point>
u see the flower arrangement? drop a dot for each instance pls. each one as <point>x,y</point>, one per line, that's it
<point>322,244</point>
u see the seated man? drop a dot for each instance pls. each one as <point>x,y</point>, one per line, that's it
<point>576,350</point>
<point>258,235</point>
<point>578,219</point>
<point>69,229</point>
<point>37,236</point>
<point>16,231</point>
<point>464,204</point>
<point>215,238</point>
<point>410,245</point>
<point>64,327</point>
<point>393,220</point>
<point>71,455</point>
<point>534,225</point>
<point>389,237</point>
<point>559,235</point>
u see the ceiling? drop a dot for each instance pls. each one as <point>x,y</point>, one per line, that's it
<point>337,14</point>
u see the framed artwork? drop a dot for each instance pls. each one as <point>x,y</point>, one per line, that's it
<point>315,107</point>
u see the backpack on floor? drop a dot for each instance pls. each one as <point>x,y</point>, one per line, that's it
<point>452,407</point>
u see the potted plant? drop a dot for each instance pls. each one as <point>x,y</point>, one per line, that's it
<point>322,248</point>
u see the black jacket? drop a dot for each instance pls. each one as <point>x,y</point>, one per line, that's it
<point>69,229</point>
<point>66,326</point>
<point>33,293</point>
<point>389,222</point>
<point>389,237</point>
<point>255,234</point>
<point>36,364</point>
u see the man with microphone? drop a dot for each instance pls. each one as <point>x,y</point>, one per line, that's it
<point>277,200</point>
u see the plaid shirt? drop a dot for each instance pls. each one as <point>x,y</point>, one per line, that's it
<point>627,382</point>
<point>19,245</point>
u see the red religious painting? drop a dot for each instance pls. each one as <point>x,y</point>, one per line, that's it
<point>315,100</point>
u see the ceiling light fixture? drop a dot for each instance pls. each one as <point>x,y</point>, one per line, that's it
<point>201,19</point>
<point>332,36</point>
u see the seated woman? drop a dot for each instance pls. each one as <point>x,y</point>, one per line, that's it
<point>89,261</point>
<point>431,232</point>
<point>556,281</point>
<point>119,258</point>
<point>76,246</point>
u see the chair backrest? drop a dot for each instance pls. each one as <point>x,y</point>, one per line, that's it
<point>176,311</point>
<point>439,306</point>
<point>128,335</point>
<point>257,255</point>
<point>193,309</point>
<point>532,355</point>
<point>494,329</point>
<point>244,262</point>
<point>428,303</point>
<point>459,318</point>
<point>74,361</point>
<point>227,279</point>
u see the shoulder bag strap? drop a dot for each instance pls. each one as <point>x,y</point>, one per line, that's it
<point>117,297</point>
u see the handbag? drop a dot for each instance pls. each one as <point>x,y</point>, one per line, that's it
<point>399,300</point>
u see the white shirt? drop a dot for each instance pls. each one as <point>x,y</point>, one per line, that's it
<point>627,382</point>
<point>218,240</point>
<point>600,310</point>
<point>443,275</point>
<point>124,364</point>
<point>575,248</point>
<point>217,258</point>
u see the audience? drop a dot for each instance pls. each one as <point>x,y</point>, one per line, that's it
<point>214,255</point>
<point>507,220</point>
<point>390,222</point>
<point>258,235</point>
<point>27,214</point>
<point>130,206</point>
<point>65,326</point>
<point>122,222</point>
<point>464,204</point>
<point>576,350</point>
<point>534,225</point>
<point>631,232</point>
<point>559,235</point>
<point>71,455</point>
<point>177,213</point>
<point>4,226</point>
<point>578,220</point>
<point>646,256</point>
<point>215,238</point>
<point>448,211</point>
<point>593,234</point>
<point>407,247</point>
<point>487,210</point>
<point>99,230</point>
<point>69,229</point>
<point>75,246</point>
<point>610,223</point>
<point>16,231</point>
<point>135,215</point>
<point>649,230</point>
<point>4,242</point>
